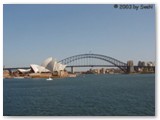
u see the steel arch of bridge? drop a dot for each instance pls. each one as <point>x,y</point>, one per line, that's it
<point>115,62</point>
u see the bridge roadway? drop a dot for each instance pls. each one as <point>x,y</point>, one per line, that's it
<point>15,68</point>
<point>94,66</point>
<point>73,66</point>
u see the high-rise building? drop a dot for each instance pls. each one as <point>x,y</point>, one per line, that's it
<point>141,63</point>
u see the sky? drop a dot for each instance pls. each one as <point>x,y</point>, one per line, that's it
<point>32,33</point>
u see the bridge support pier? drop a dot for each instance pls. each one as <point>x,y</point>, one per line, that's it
<point>130,69</point>
<point>72,69</point>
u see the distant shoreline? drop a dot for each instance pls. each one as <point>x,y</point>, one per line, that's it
<point>69,76</point>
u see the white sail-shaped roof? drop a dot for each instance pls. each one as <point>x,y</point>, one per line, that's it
<point>62,67</point>
<point>24,70</point>
<point>59,67</point>
<point>49,64</point>
<point>46,62</point>
<point>38,69</point>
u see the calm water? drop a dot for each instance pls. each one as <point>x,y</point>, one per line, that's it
<point>90,95</point>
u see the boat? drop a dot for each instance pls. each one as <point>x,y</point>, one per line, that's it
<point>72,75</point>
<point>49,79</point>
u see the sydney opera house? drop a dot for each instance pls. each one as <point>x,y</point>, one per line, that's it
<point>49,65</point>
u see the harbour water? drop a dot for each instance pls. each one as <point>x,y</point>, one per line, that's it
<point>89,95</point>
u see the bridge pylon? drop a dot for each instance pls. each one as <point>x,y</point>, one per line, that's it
<point>72,69</point>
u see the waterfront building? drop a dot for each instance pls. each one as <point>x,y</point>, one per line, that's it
<point>97,71</point>
<point>150,64</point>
<point>102,71</point>
<point>6,74</point>
<point>141,63</point>
<point>48,65</point>
<point>146,66</point>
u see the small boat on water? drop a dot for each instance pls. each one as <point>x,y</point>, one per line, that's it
<point>72,75</point>
<point>49,79</point>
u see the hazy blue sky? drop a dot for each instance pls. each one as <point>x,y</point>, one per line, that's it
<point>34,32</point>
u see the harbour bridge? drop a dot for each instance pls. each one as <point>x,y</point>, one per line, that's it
<point>93,60</point>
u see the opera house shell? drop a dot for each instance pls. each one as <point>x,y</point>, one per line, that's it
<point>49,65</point>
<point>38,69</point>
<point>24,70</point>
<point>52,65</point>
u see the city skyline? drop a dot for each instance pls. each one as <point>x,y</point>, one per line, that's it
<point>34,32</point>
